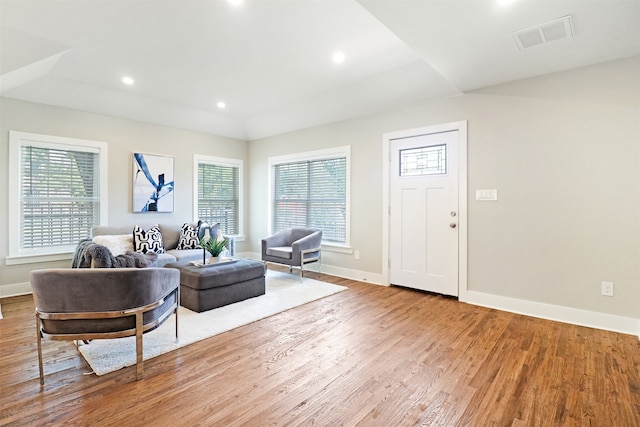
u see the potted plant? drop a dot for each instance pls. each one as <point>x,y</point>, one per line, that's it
<point>213,246</point>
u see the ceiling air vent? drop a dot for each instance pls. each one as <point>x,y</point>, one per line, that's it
<point>557,29</point>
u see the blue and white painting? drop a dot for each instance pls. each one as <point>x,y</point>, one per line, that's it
<point>152,183</point>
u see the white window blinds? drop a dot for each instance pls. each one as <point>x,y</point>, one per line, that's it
<point>218,196</point>
<point>311,193</point>
<point>59,196</point>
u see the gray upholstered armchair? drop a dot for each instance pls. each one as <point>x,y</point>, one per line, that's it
<point>294,247</point>
<point>87,303</point>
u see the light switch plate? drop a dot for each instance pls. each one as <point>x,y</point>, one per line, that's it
<point>486,195</point>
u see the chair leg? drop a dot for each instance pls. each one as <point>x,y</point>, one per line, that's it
<point>39,339</point>
<point>177,307</point>
<point>139,355</point>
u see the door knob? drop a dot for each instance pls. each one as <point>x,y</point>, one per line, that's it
<point>453,225</point>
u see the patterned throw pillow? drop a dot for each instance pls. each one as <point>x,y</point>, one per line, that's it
<point>148,241</point>
<point>188,237</point>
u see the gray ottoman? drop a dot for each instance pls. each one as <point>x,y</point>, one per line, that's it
<point>205,288</point>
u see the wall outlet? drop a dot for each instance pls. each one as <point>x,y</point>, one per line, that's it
<point>607,289</point>
<point>356,254</point>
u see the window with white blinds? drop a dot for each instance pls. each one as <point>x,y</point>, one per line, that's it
<point>218,183</point>
<point>312,191</point>
<point>58,194</point>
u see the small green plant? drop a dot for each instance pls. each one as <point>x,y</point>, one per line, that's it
<point>213,246</point>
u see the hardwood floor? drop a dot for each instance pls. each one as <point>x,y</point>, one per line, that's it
<point>370,356</point>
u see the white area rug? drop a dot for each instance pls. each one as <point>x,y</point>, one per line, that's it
<point>283,292</point>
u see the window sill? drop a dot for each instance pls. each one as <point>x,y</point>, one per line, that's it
<point>333,247</point>
<point>32,259</point>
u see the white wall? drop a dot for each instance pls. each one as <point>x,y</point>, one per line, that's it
<point>562,150</point>
<point>124,137</point>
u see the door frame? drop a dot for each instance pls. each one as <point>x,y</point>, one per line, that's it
<point>461,127</point>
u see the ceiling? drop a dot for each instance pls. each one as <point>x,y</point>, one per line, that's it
<point>270,60</point>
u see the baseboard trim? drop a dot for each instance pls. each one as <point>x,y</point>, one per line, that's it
<point>346,273</point>
<point>15,289</point>
<point>574,316</point>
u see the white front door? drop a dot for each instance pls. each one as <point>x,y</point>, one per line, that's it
<point>423,241</point>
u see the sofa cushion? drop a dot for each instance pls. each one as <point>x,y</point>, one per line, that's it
<point>170,235</point>
<point>187,254</point>
<point>148,240</point>
<point>280,251</point>
<point>188,237</point>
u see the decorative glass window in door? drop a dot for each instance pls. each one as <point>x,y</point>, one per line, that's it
<point>431,160</point>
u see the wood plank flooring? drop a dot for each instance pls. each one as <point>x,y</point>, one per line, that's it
<point>369,356</point>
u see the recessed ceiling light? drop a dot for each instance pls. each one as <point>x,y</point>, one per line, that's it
<point>127,80</point>
<point>505,2</point>
<point>221,105</point>
<point>235,2</point>
<point>338,57</point>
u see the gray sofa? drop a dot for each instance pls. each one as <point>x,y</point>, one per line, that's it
<point>170,237</point>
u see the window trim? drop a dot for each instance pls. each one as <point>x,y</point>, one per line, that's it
<point>221,161</point>
<point>329,153</point>
<point>19,139</point>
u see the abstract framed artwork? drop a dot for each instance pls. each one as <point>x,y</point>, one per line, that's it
<point>152,183</point>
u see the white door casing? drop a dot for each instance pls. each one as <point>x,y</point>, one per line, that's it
<point>425,225</point>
